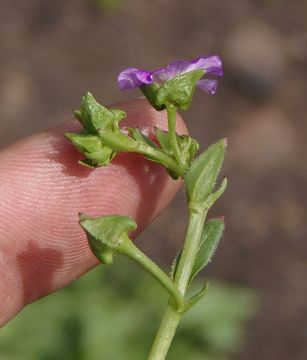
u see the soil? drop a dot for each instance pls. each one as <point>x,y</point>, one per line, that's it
<point>51,52</point>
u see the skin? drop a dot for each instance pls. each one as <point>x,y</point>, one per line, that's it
<point>42,247</point>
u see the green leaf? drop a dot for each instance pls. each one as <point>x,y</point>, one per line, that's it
<point>179,90</point>
<point>105,234</point>
<point>195,299</point>
<point>217,194</point>
<point>211,235</point>
<point>201,177</point>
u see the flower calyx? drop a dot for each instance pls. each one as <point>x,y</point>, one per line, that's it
<point>97,121</point>
<point>176,83</point>
<point>107,235</point>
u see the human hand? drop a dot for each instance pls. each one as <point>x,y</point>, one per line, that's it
<point>42,247</point>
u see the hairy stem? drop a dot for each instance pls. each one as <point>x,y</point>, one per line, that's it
<point>158,155</point>
<point>172,316</point>
<point>129,249</point>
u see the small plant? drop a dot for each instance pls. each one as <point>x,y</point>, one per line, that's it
<point>170,88</point>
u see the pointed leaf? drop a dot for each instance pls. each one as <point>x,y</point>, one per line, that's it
<point>213,197</point>
<point>194,299</point>
<point>201,177</point>
<point>211,236</point>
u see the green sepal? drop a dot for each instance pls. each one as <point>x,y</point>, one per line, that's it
<point>77,114</point>
<point>101,157</point>
<point>150,92</point>
<point>84,143</point>
<point>201,177</point>
<point>119,142</point>
<point>96,118</point>
<point>179,90</point>
<point>92,147</point>
<point>195,299</point>
<point>106,234</point>
<point>211,235</point>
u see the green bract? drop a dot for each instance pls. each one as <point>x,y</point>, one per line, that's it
<point>211,235</point>
<point>97,121</point>
<point>200,179</point>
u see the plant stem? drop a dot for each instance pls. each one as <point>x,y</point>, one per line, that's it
<point>191,245</point>
<point>172,316</point>
<point>165,334</point>
<point>160,156</point>
<point>171,118</point>
<point>129,249</point>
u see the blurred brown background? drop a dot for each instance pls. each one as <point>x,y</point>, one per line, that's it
<point>51,52</point>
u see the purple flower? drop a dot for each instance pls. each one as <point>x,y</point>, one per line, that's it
<point>212,65</point>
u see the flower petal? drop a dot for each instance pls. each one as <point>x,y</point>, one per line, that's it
<point>132,77</point>
<point>144,76</point>
<point>211,64</point>
<point>173,69</point>
<point>209,86</point>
